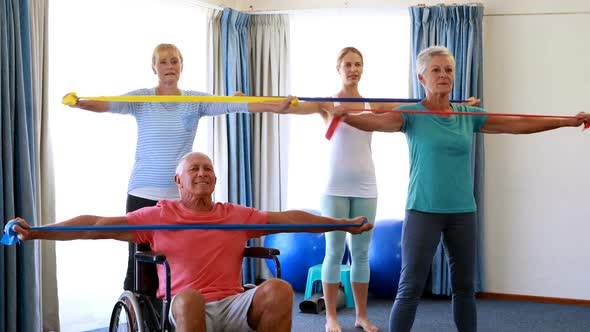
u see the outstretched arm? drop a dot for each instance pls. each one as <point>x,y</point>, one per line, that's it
<point>312,107</point>
<point>525,125</point>
<point>305,108</point>
<point>273,107</point>
<point>25,234</point>
<point>382,121</point>
<point>90,105</point>
<point>295,217</point>
<point>385,122</point>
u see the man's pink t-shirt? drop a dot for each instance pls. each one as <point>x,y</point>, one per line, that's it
<point>209,261</point>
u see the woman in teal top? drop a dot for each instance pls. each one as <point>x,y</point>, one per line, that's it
<point>440,195</point>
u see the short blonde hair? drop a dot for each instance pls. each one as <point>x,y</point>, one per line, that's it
<point>427,54</point>
<point>165,47</point>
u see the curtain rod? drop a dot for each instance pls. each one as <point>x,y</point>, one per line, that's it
<point>252,11</point>
<point>312,10</point>
<point>206,5</point>
<point>508,14</point>
<point>541,14</point>
<point>451,4</point>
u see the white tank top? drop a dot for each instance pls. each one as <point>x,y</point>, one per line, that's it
<point>351,170</point>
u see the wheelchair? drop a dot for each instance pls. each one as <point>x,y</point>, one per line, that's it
<point>142,311</point>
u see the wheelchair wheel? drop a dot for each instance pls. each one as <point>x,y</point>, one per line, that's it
<point>126,315</point>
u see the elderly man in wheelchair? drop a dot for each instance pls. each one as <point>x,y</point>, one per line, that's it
<point>200,275</point>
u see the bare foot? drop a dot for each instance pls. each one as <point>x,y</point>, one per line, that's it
<point>365,325</point>
<point>332,325</point>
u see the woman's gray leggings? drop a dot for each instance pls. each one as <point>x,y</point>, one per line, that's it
<point>420,236</point>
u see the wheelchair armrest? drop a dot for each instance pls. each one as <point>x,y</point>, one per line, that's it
<point>150,257</point>
<point>145,285</point>
<point>265,253</point>
<point>261,252</point>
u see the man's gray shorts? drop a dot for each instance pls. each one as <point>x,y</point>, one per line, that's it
<point>229,314</point>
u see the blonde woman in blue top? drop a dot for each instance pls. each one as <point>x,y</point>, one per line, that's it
<point>440,196</point>
<point>165,133</point>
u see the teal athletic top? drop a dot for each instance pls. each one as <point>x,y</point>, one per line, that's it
<point>441,159</point>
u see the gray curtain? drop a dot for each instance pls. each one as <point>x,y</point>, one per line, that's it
<point>20,308</point>
<point>44,172</point>
<point>269,40</point>
<point>459,28</point>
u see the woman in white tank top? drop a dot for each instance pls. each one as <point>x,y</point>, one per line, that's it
<point>351,191</point>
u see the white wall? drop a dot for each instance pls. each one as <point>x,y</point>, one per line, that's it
<point>537,211</point>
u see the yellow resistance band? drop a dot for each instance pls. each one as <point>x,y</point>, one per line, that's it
<point>71,99</point>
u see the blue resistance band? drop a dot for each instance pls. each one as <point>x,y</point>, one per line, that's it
<point>10,236</point>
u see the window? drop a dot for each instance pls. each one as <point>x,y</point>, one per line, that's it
<point>104,48</point>
<point>383,36</point>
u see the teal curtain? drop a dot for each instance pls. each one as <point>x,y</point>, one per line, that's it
<point>459,28</point>
<point>235,54</point>
<point>19,265</point>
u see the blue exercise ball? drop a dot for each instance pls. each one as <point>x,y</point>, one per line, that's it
<point>385,257</point>
<point>299,252</point>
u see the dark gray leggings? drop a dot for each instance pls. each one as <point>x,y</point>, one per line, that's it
<point>420,236</point>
